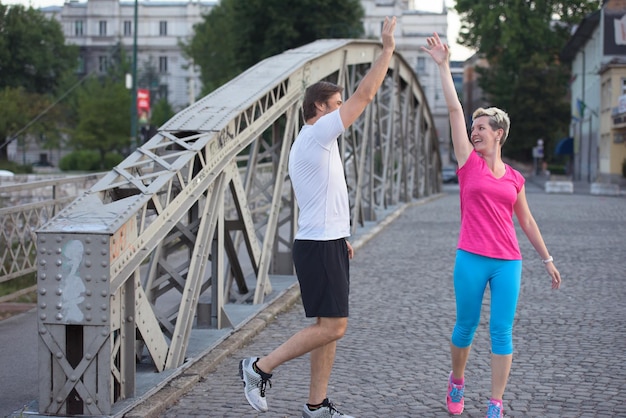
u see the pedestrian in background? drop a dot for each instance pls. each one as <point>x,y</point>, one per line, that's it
<point>488,251</point>
<point>321,252</point>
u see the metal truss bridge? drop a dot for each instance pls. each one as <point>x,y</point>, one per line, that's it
<point>201,219</point>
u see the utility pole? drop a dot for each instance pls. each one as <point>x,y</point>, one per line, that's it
<point>133,105</point>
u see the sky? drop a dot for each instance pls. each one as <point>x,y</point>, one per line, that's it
<point>458,52</point>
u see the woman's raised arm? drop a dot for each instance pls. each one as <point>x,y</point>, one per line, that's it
<point>440,53</point>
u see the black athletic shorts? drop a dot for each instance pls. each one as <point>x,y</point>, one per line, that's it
<point>323,270</point>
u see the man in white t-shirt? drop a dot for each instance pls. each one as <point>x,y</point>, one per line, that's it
<point>321,252</point>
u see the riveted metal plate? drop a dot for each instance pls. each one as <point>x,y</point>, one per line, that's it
<point>73,279</point>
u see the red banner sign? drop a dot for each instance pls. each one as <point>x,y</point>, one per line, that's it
<point>143,100</point>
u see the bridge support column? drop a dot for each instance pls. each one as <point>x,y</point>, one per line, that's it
<point>86,333</point>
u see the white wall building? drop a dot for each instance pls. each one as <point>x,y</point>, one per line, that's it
<point>597,51</point>
<point>413,28</point>
<point>97,26</point>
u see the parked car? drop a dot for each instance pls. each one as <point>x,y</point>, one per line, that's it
<point>6,173</point>
<point>448,174</point>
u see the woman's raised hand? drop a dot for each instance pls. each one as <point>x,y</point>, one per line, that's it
<point>437,49</point>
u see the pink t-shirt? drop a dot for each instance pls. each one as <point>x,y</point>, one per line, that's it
<point>487,227</point>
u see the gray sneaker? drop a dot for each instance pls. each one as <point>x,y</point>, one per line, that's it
<point>253,384</point>
<point>327,410</point>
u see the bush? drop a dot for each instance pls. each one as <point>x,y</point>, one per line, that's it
<point>16,168</point>
<point>112,159</point>
<point>557,169</point>
<point>89,160</point>
<point>83,160</point>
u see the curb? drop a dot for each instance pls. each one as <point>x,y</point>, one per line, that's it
<point>153,405</point>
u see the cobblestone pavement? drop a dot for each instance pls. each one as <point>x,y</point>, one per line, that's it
<point>394,359</point>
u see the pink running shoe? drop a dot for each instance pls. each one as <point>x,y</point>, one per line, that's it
<point>495,410</point>
<point>454,399</point>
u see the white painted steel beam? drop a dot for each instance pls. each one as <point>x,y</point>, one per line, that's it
<point>204,210</point>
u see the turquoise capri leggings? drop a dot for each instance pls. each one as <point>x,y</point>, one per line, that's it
<point>472,272</point>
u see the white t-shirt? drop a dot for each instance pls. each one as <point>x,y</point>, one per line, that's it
<point>319,182</point>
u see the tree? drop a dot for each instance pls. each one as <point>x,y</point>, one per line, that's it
<point>148,77</point>
<point>161,112</point>
<point>103,117</point>
<point>99,110</point>
<point>521,40</point>
<point>33,58</point>
<point>237,34</point>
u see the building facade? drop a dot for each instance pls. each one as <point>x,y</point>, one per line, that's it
<point>597,53</point>
<point>413,27</point>
<point>97,27</point>
<point>473,95</point>
<point>612,147</point>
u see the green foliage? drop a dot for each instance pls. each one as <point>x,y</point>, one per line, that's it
<point>112,159</point>
<point>558,169</point>
<point>522,42</point>
<point>120,63</point>
<point>16,284</point>
<point>32,50</point>
<point>15,105</point>
<point>16,168</point>
<point>103,117</point>
<point>83,160</point>
<point>23,112</point>
<point>161,112</point>
<point>89,160</point>
<point>33,60</point>
<point>237,34</point>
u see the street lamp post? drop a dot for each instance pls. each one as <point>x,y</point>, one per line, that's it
<point>133,105</point>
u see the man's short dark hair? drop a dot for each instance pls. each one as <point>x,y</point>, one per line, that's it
<point>316,93</point>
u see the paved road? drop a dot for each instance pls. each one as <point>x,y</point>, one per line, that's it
<point>18,360</point>
<point>393,361</point>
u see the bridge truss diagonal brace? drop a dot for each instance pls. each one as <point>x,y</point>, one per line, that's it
<point>174,187</point>
<point>54,392</point>
<point>263,284</point>
<point>213,208</point>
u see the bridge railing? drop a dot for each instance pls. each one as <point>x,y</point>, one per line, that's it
<point>25,205</point>
<point>204,212</point>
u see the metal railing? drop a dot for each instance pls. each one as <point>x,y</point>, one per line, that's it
<point>204,211</point>
<point>25,206</point>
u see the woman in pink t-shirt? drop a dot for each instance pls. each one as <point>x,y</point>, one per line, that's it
<point>488,251</point>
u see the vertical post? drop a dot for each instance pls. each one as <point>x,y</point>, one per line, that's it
<point>589,150</point>
<point>133,105</point>
<point>582,117</point>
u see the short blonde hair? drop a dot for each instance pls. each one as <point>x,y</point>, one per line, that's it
<point>498,119</point>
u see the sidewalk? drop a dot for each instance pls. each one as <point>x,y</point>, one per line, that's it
<point>394,362</point>
<point>18,358</point>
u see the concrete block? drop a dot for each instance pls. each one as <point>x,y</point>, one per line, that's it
<point>607,189</point>
<point>559,186</point>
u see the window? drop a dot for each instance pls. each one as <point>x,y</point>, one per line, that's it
<point>80,66</point>
<point>128,28</point>
<point>623,82</point>
<point>78,28</point>
<point>605,100</point>
<point>103,63</point>
<point>163,91</point>
<point>421,65</point>
<point>162,65</point>
<point>103,28</point>
<point>163,28</point>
